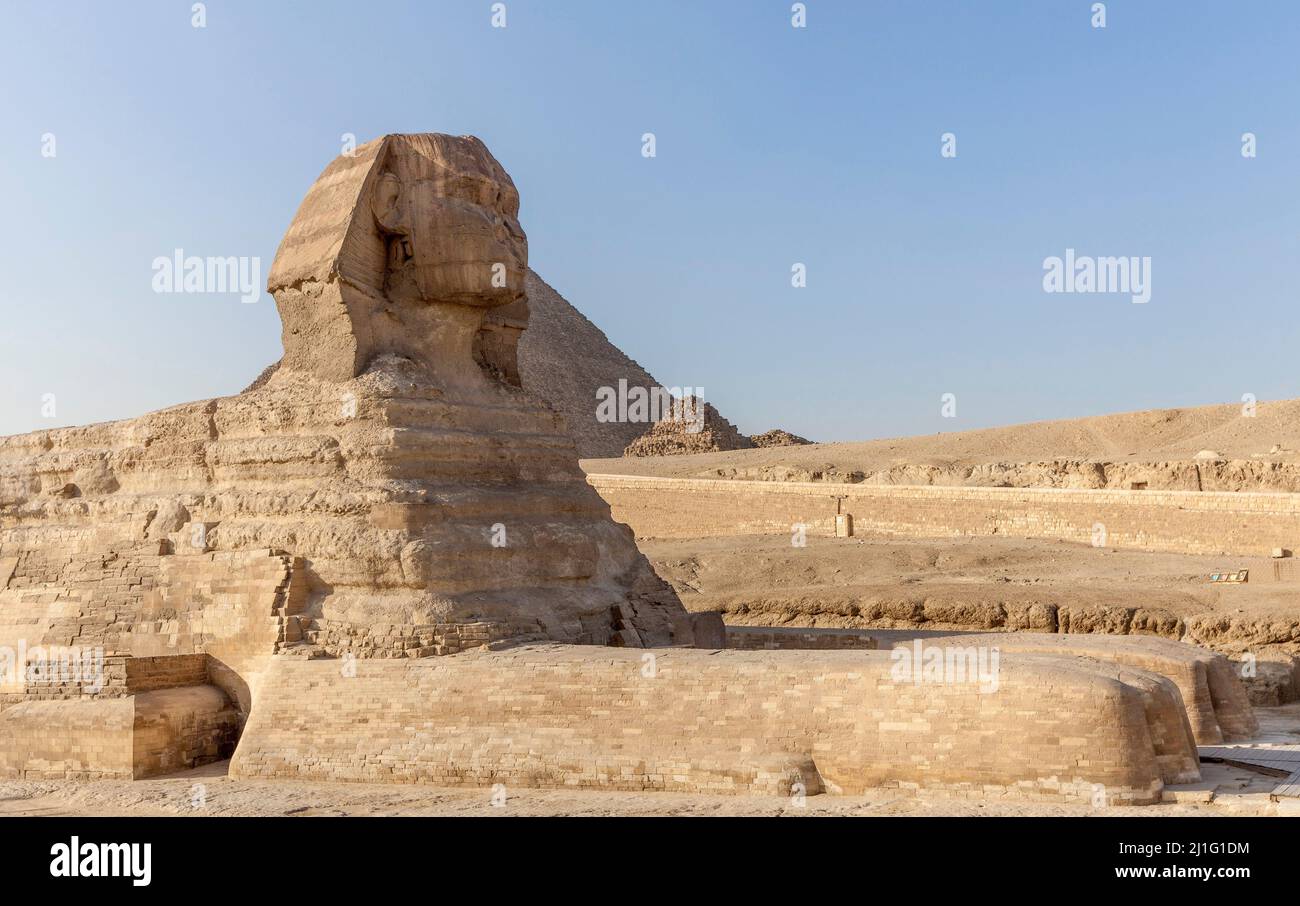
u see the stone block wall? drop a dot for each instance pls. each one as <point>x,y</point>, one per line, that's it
<point>71,739</point>
<point>77,598</point>
<point>387,640</point>
<point>770,638</point>
<point>149,674</point>
<point>1214,522</point>
<point>140,608</point>
<point>235,606</point>
<point>706,721</point>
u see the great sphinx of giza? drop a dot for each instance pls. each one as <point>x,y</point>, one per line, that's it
<point>389,492</point>
<point>400,284</point>
<point>383,563</point>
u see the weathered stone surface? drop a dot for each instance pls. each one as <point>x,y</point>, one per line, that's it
<point>710,631</point>
<point>568,362</point>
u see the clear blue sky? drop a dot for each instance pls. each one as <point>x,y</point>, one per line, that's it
<point>775,145</point>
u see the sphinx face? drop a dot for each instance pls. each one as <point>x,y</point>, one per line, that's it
<point>452,237</point>
<point>410,246</point>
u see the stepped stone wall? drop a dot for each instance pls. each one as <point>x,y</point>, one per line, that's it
<point>1176,521</point>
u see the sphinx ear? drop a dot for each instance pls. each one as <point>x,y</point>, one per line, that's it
<point>386,206</point>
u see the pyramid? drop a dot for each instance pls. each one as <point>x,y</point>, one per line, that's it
<point>691,426</point>
<point>778,437</point>
<point>565,359</point>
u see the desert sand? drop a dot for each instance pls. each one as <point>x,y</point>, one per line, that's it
<point>1237,451</point>
<point>981,583</point>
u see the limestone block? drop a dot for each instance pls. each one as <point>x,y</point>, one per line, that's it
<point>74,738</point>
<point>709,629</point>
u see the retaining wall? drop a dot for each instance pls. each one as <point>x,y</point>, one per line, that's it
<point>1213,522</point>
<point>706,721</point>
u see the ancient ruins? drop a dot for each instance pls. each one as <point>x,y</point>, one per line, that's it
<point>382,562</point>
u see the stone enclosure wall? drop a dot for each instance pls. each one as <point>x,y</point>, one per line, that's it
<point>718,721</point>
<point>1175,521</point>
<point>781,638</point>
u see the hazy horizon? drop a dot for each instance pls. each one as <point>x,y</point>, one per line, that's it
<point>775,146</point>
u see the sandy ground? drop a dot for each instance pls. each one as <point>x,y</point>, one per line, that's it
<point>1152,435</point>
<point>209,792</point>
<point>876,582</point>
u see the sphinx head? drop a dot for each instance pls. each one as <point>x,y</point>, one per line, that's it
<point>409,245</point>
<point>449,216</point>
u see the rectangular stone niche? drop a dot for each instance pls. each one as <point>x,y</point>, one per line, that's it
<point>171,719</point>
